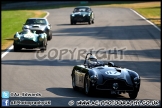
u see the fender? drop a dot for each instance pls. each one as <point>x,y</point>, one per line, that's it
<point>133,74</point>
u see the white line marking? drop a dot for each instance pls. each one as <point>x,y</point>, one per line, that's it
<point>146,19</point>
<point>11,47</point>
<point>8,50</point>
<point>47,14</point>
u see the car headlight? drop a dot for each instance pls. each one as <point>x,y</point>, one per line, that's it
<point>22,38</point>
<point>93,78</point>
<point>41,39</point>
<point>136,80</point>
<point>72,15</point>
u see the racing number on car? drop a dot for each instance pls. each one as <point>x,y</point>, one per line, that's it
<point>28,36</point>
<point>112,72</point>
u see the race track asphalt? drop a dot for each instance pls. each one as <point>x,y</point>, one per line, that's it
<point>118,28</point>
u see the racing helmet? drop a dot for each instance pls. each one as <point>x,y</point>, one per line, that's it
<point>92,59</point>
<point>26,28</point>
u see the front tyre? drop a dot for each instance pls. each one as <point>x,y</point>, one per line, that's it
<point>44,46</point>
<point>133,94</point>
<point>16,48</point>
<point>92,21</point>
<point>71,22</point>
<point>87,86</point>
<point>49,35</point>
<point>89,22</point>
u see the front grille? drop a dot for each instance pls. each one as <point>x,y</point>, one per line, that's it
<point>108,85</point>
<point>35,26</point>
<point>80,18</point>
<point>28,42</point>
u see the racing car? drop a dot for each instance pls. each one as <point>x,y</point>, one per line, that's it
<point>40,24</point>
<point>30,39</point>
<point>82,14</point>
<point>94,75</point>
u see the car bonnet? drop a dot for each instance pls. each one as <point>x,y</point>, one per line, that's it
<point>114,73</point>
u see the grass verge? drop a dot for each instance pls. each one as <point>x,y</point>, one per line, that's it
<point>12,20</point>
<point>150,10</point>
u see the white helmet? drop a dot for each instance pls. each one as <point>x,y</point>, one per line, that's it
<point>92,59</point>
<point>26,28</point>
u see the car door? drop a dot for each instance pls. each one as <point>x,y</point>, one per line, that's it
<point>84,70</point>
<point>77,71</point>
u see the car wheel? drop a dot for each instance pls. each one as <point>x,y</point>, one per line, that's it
<point>92,21</point>
<point>16,48</point>
<point>133,94</point>
<point>44,46</point>
<point>73,82</point>
<point>87,86</point>
<point>74,23</point>
<point>89,22</point>
<point>71,22</point>
<point>49,35</point>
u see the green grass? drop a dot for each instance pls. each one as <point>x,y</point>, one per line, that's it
<point>152,14</point>
<point>150,10</point>
<point>12,22</point>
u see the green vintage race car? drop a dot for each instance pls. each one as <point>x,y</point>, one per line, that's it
<point>82,14</point>
<point>30,40</point>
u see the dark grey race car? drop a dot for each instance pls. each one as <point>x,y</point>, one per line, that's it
<point>40,24</point>
<point>82,14</point>
<point>101,76</point>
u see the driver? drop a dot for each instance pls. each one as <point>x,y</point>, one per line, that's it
<point>92,60</point>
<point>26,29</point>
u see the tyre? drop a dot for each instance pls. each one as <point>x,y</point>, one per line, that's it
<point>16,48</point>
<point>74,23</point>
<point>89,22</point>
<point>133,94</point>
<point>49,35</point>
<point>71,22</point>
<point>87,86</point>
<point>44,46</point>
<point>92,21</point>
<point>73,82</point>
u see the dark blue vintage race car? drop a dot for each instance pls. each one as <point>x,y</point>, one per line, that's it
<point>82,14</point>
<point>94,75</point>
